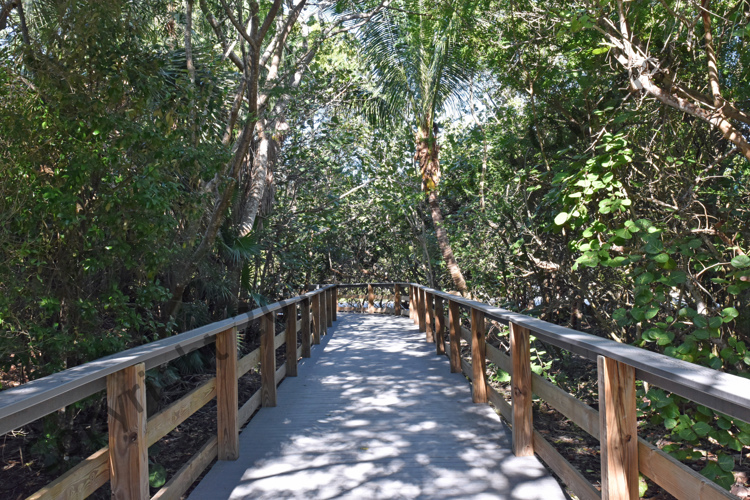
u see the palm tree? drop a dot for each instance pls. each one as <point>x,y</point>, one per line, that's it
<point>420,67</point>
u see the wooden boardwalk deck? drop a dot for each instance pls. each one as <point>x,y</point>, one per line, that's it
<point>375,413</point>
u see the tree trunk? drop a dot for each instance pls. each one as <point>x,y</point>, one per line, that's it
<point>445,245</point>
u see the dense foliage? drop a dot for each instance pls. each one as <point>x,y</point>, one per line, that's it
<point>164,165</point>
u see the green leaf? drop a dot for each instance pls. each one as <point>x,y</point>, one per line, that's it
<point>562,218</point>
<point>726,462</point>
<point>701,429</point>
<point>157,475</point>
<point>741,261</point>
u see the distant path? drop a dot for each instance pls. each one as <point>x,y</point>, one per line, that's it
<point>376,414</point>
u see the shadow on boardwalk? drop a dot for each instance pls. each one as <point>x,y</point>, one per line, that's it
<point>376,414</point>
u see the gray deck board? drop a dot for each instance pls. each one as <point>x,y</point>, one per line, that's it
<point>376,414</point>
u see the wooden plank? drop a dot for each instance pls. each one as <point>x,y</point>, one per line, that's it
<point>675,477</point>
<point>619,430</point>
<point>188,473</point>
<point>370,299</point>
<point>305,328</point>
<point>397,300</point>
<point>466,369</point>
<point>421,311</point>
<point>316,319</point>
<point>247,409</point>
<point>128,451</point>
<point>323,314</point>
<point>173,415</point>
<point>227,428</point>
<point>428,317</point>
<point>291,340</point>
<point>582,488</point>
<point>329,303</point>
<point>335,302</point>
<point>280,374</point>
<point>500,403</point>
<point>412,304</point>
<point>523,426</point>
<point>478,357</point>
<point>439,327</point>
<point>248,362</point>
<point>80,481</point>
<point>499,358</point>
<point>267,360</point>
<point>454,324</point>
<point>581,414</point>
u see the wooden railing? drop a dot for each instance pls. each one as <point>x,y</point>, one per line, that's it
<point>623,453</point>
<point>124,463</point>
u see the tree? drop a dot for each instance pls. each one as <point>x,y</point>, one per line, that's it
<point>420,66</point>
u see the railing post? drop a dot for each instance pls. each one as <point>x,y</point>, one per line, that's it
<point>370,299</point>
<point>305,308</point>
<point>397,301</point>
<point>454,320</point>
<point>316,319</point>
<point>267,360</point>
<point>478,357</point>
<point>413,303</point>
<point>291,340</point>
<point>421,310</point>
<point>618,429</point>
<point>323,313</point>
<point>439,326</point>
<point>329,302</point>
<point>128,450</point>
<point>429,317</point>
<point>523,425</point>
<point>335,302</point>
<point>226,395</point>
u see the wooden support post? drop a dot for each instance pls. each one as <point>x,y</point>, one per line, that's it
<point>323,313</point>
<point>370,299</point>
<point>413,304</point>
<point>316,319</point>
<point>618,428</point>
<point>228,428</point>
<point>439,326</point>
<point>291,340</point>
<point>397,301</point>
<point>267,360</point>
<point>523,425</point>
<point>305,309</point>
<point>421,310</point>
<point>478,357</point>
<point>429,318</point>
<point>335,302</point>
<point>128,450</point>
<point>454,324</point>
<point>329,303</point>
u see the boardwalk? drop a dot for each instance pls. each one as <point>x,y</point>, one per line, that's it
<point>376,414</point>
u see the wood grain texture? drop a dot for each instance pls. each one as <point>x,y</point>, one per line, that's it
<point>80,481</point>
<point>227,427</point>
<point>422,311</point>
<point>188,473</point>
<point>316,319</point>
<point>305,328</point>
<point>413,304</point>
<point>248,362</point>
<point>397,300</point>
<point>267,361</point>
<point>583,489</point>
<point>429,317</point>
<point>499,358</point>
<point>323,314</point>
<point>335,303</point>
<point>500,403</point>
<point>454,324</point>
<point>291,340</point>
<point>246,410</point>
<point>478,357</point>
<point>331,309</point>
<point>618,427</point>
<point>439,327</point>
<point>370,299</point>
<point>128,450</point>
<point>523,426</point>
<point>173,415</point>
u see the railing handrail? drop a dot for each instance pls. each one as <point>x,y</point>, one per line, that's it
<point>724,392</point>
<point>37,398</point>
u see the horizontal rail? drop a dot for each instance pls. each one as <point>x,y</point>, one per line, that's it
<point>721,391</point>
<point>33,400</point>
